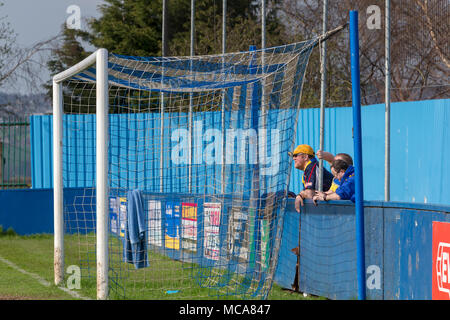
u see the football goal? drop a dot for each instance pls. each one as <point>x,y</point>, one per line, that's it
<point>177,170</point>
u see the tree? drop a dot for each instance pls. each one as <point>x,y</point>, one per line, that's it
<point>7,42</point>
<point>304,21</point>
<point>20,68</point>
<point>243,26</point>
<point>66,52</point>
<point>133,27</point>
<point>419,50</point>
<point>128,27</point>
<point>421,63</point>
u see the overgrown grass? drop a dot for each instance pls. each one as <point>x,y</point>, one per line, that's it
<point>34,254</point>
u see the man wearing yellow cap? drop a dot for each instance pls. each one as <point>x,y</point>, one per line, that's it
<point>305,160</point>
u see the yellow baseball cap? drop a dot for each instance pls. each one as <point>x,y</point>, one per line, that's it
<point>303,148</point>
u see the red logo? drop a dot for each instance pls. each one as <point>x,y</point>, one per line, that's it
<point>441,261</point>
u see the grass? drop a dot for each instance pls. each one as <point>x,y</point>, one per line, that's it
<point>35,256</point>
<point>31,275</point>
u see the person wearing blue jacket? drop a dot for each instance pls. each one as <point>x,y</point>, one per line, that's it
<point>346,175</point>
<point>329,157</point>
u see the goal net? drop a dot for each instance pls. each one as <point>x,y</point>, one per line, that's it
<point>193,154</point>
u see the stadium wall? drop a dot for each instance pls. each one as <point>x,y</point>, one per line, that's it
<point>398,248</point>
<point>398,243</point>
<point>420,146</point>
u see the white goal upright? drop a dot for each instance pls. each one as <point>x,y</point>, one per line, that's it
<point>100,59</point>
<point>187,161</point>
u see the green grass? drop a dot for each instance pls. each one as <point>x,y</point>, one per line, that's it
<point>34,255</point>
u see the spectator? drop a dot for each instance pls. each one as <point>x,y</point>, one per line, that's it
<point>327,156</point>
<point>305,160</point>
<point>346,175</point>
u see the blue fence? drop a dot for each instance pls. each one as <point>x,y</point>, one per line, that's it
<point>398,237</point>
<point>420,145</point>
<point>398,249</point>
<point>135,151</point>
<point>398,243</point>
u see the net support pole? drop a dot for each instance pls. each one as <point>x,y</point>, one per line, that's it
<point>164,29</point>
<point>387,134</point>
<point>323,84</point>
<point>359,194</point>
<point>263,124</point>
<point>224,49</point>
<point>191,97</point>
<point>163,52</point>
<point>102,173</point>
<point>58,219</point>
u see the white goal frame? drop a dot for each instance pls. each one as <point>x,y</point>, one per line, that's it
<point>100,59</point>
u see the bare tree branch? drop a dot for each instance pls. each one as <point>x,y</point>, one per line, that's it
<point>24,56</point>
<point>423,4</point>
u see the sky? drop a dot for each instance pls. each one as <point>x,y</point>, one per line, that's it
<point>37,20</point>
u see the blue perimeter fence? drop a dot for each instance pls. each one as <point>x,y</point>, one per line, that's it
<point>420,147</point>
<point>398,235</point>
<point>398,242</point>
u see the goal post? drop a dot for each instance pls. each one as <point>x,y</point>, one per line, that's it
<point>182,156</point>
<point>100,59</point>
<point>102,172</point>
<point>58,185</point>
<point>187,160</point>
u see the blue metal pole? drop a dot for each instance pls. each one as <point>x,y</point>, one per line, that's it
<point>357,143</point>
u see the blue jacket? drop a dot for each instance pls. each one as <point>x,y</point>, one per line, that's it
<point>135,246</point>
<point>346,189</point>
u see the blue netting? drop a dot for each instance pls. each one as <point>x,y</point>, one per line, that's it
<point>205,140</point>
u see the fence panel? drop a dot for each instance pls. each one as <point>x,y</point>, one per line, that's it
<point>15,153</point>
